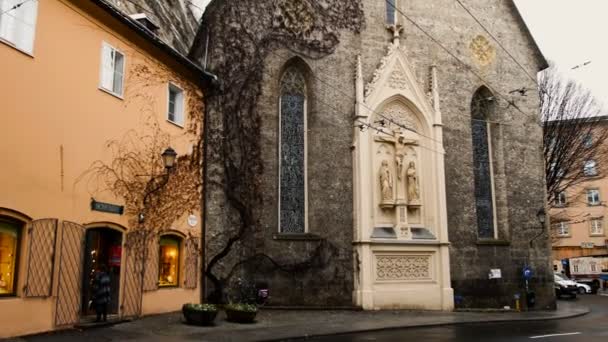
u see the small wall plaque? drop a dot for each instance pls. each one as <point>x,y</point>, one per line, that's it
<point>192,221</point>
<point>495,273</point>
<point>107,207</point>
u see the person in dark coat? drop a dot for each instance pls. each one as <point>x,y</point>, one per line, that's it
<point>101,293</point>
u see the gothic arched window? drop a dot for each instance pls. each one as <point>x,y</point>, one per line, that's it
<point>482,107</point>
<point>292,152</point>
<point>391,12</point>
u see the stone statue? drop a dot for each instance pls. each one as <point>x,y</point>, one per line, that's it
<point>399,156</point>
<point>413,191</point>
<point>386,182</point>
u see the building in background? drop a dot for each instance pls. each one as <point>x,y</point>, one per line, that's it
<point>94,107</point>
<point>579,214</point>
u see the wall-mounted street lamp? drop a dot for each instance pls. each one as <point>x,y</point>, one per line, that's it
<point>541,215</point>
<point>169,156</point>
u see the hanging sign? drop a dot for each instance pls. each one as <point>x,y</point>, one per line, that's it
<point>115,255</point>
<point>107,207</point>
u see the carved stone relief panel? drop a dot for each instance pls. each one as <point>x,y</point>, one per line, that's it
<point>396,112</point>
<point>403,267</point>
<point>398,79</point>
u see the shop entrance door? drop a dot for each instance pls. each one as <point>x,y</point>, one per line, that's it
<point>103,247</point>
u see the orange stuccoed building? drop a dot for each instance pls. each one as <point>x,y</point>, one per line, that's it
<point>101,165</point>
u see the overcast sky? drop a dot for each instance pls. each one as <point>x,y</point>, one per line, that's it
<point>569,33</point>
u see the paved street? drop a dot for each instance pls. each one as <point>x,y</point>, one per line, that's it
<point>277,325</point>
<point>591,327</point>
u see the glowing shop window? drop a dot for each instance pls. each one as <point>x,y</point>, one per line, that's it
<point>9,237</point>
<point>169,261</point>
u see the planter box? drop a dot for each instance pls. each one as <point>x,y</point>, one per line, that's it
<point>238,316</point>
<point>198,317</point>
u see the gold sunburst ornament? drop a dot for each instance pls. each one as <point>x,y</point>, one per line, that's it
<point>482,50</point>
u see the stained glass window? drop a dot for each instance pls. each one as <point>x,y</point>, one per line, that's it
<point>292,152</point>
<point>390,11</point>
<point>482,163</point>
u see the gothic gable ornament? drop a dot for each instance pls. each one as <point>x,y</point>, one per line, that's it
<point>395,77</point>
<point>398,79</point>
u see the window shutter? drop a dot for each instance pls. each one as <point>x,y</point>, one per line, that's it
<point>152,260</point>
<point>133,277</point>
<point>69,257</point>
<point>107,67</point>
<point>41,257</point>
<point>191,263</point>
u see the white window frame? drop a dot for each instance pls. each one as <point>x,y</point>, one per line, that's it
<point>590,168</point>
<point>596,226</point>
<point>588,140</point>
<point>561,199</point>
<point>19,20</point>
<point>102,68</point>
<point>180,117</point>
<point>591,200</point>
<point>563,229</point>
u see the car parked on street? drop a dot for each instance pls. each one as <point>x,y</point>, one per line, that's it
<point>564,286</point>
<point>583,288</point>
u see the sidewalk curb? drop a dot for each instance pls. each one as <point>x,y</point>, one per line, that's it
<point>584,311</point>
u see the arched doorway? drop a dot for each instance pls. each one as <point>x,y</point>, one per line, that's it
<point>103,247</point>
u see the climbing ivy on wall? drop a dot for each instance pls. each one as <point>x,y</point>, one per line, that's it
<point>241,35</point>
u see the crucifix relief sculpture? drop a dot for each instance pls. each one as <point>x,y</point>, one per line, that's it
<point>404,176</point>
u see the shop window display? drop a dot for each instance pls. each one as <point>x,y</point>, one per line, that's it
<point>169,261</point>
<point>9,242</point>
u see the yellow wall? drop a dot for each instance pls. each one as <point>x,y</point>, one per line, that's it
<point>51,103</point>
<point>578,213</point>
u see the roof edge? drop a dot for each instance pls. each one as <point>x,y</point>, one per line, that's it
<point>544,64</point>
<point>207,77</point>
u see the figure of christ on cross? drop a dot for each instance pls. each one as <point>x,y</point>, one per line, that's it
<point>401,143</point>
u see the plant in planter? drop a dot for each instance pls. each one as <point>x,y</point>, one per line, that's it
<point>245,301</point>
<point>241,312</point>
<point>199,314</point>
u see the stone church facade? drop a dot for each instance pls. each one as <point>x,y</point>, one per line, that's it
<point>355,159</point>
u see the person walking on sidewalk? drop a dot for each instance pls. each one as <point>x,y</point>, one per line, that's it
<point>102,292</point>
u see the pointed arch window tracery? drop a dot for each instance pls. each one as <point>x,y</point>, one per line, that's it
<point>482,108</point>
<point>292,152</point>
